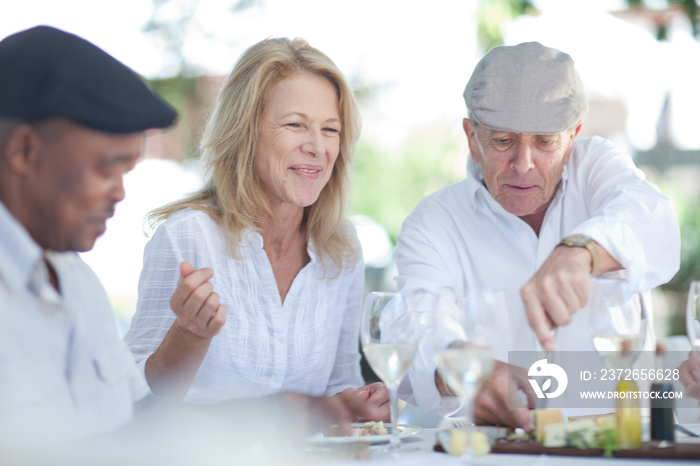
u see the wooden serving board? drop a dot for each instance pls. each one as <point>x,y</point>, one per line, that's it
<point>678,451</point>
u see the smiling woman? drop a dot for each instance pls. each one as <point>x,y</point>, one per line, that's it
<point>299,140</point>
<point>260,268</point>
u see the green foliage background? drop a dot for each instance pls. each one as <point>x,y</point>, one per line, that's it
<point>387,185</point>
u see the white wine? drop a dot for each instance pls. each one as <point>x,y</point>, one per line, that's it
<point>606,344</point>
<point>390,362</point>
<point>610,348</point>
<point>464,368</point>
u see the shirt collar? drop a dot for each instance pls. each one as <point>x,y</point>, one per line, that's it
<point>475,183</point>
<point>19,253</point>
<point>253,238</point>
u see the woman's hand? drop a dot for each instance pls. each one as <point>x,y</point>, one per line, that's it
<point>172,367</point>
<point>196,305</point>
<point>374,396</point>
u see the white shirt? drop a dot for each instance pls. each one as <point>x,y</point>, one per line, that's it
<point>460,238</point>
<point>64,372</point>
<point>307,344</point>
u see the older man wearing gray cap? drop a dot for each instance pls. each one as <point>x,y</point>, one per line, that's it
<point>72,122</point>
<point>538,216</point>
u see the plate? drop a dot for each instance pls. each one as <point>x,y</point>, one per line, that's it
<point>405,430</point>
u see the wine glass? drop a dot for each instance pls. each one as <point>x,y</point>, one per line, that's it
<point>618,322</point>
<point>462,335</point>
<point>389,342</point>
<point>692,316</point>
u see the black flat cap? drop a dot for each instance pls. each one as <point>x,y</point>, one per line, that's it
<point>45,72</point>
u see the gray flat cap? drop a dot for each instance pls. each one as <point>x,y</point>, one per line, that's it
<point>526,88</point>
<point>46,72</point>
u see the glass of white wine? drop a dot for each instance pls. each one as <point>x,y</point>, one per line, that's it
<point>619,325</point>
<point>692,316</point>
<point>463,337</point>
<point>389,342</point>
<point>618,321</point>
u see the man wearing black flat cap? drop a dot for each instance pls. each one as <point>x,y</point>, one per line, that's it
<point>72,121</point>
<point>539,215</point>
<point>71,125</point>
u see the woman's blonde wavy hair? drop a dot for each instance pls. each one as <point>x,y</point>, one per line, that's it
<point>233,194</point>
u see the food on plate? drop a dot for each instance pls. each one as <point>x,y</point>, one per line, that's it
<point>602,421</point>
<point>593,417</point>
<point>455,441</point>
<point>369,428</point>
<point>607,421</point>
<point>545,417</point>
<point>599,431</point>
<point>520,435</point>
<point>480,444</point>
<point>579,434</point>
<point>359,430</point>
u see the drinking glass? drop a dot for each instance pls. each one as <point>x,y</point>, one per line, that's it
<point>389,342</point>
<point>618,322</point>
<point>462,334</point>
<point>692,316</point>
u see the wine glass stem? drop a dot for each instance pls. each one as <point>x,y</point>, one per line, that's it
<point>467,408</point>
<point>394,412</point>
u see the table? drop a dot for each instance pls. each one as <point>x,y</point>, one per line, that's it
<point>421,454</point>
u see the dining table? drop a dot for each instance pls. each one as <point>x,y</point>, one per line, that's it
<point>420,449</point>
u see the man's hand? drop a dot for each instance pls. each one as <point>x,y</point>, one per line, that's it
<point>372,400</point>
<point>560,288</point>
<point>557,291</point>
<point>689,372</point>
<point>195,303</point>
<point>498,403</point>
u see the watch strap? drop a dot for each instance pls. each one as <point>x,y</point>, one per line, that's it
<point>582,241</point>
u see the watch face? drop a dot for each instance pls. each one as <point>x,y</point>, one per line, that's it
<point>577,240</point>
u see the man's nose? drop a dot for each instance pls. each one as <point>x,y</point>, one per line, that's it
<point>118,191</point>
<point>522,159</point>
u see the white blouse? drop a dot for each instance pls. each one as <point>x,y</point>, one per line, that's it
<point>307,344</point>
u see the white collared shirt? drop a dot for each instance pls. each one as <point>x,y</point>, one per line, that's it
<point>460,239</point>
<point>64,372</point>
<point>307,344</point>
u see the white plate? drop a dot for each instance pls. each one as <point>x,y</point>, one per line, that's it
<point>405,430</point>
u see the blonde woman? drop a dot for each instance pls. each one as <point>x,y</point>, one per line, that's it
<point>252,285</point>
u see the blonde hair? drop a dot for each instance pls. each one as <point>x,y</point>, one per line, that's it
<point>233,194</point>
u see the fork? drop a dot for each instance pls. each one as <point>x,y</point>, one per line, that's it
<point>461,422</point>
<point>549,356</point>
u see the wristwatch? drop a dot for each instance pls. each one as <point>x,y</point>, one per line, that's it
<point>583,241</point>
